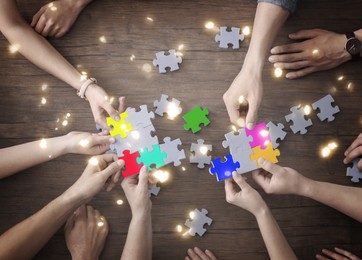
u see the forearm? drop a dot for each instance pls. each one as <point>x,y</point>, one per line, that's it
<point>342,198</point>
<point>275,242</point>
<point>25,239</point>
<point>269,18</point>
<point>139,238</point>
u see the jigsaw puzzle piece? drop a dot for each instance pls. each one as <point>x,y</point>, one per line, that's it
<point>139,119</point>
<point>300,124</point>
<point>197,223</point>
<point>164,60</point>
<point>154,190</point>
<point>194,118</point>
<point>170,107</point>
<point>260,135</point>
<point>223,169</point>
<point>120,127</point>
<point>276,132</point>
<point>154,157</point>
<point>354,172</point>
<point>132,167</point>
<point>243,158</point>
<point>226,37</point>
<point>120,145</point>
<point>199,153</point>
<point>174,155</point>
<point>268,154</point>
<point>237,141</point>
<point>327,111</point>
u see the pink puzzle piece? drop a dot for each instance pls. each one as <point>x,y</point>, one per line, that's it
<point>260,135</point>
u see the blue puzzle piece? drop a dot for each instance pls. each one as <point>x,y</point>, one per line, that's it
<point>223,170</point>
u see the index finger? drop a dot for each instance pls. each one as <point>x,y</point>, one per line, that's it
<point>355,143</point>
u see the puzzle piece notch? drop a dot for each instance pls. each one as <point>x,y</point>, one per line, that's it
<point>224,169</point>
<point>154,190</point>
<point>299,122</point>
<point>276,132</point>
<point>243,158</point>
<point>195,117</point>
<point>197,224</point>
<point>164,106</point>
<point>120,127</point>
<point>354,172</point>
<point>199,153</point>
<point>164,60</point>
<point>237,141</point>
<point>139,119</point>
<point>154,157</point>
<point>132,167</point>
<point>260,135</point>
<point>174,155</point>
<point>327,111</point>
<point>226,37</point>
<point>268,154</point>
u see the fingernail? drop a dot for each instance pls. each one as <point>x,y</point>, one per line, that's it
<point>272,51</point>
<point>112,140</point>
<point>345,153</point>
<point>261,161</point>
<point>119,162</point>
<point>287,76</point>
<point>117,118</point>
<point>250,126</point>
<point>291,35</point>
<point>271,59</point>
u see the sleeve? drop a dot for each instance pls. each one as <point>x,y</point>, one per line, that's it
<point>290,5</point>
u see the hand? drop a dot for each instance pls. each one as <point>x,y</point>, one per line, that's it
<point>250,86</point>
<point>56,18</point>
<point>354,151</point>
<point>86,143</point>
<point>241,194</point>
<point>279,180</point>
<point>136,188</point>
<point>340,255</point>
<point>319,50</point>
<point>198,254</point>
<point>101,171</point>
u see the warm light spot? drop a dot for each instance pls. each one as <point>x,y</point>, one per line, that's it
<point>53,8</point>
<point>181,47</point>
<point>103,39</point>
<point>325,152</point>
<point>14,48</point>
<point>84,142</point>
<point>123,126</point>
<point>135,135</point>
<point>93,161</point>
<point>246,30</point>
<point>178,53</point>
<point>332,145</point>
<point>56,129</point>
<point>132,57</point>
<point>340,78</point>
<point>51,4</point>
<point>192,215</point>
<point>183,168</point>
<point>58,119</point>
<point>350,86</point>
<point>84,76</point>
<point>149,19</point>
<point>106,98</point>
<point>44,87</point>
<point>203,149</point>
<point>241,99</point>
<point>146,67</point>
<point>111,100</point>
<point>50,156</point>
<point>333,90</point>
<point>179,228</point>
<point>209,25</point>
<point>43,101</point>
<point>161,176</point>
<point>68,115</point>
<point>278,72</point>
<point>315,52</point>
<point>65,122</point>
<point>173,110</point>
<point>43,144</point>
<point>264,133</point>
<point>100,224</point>
<point>307,109</point>
<point>119,202</point>
<point>234,128</point>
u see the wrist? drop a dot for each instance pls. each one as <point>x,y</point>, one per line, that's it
<point>141,215</point>
<point>253,63</point>
<point>306,188</point>
<point>262,212</point>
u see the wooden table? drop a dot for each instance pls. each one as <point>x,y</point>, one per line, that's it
<point>205,75</point>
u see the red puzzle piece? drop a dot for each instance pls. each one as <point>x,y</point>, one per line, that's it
<point>130,162</point>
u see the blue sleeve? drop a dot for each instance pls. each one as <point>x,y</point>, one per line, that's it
<point>290,5</point>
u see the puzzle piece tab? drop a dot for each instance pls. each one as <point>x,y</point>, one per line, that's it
<point>327,111</point>
<point>194,118</point>
<point>224,170</point>
<point>164,60</point>
<point>131,165</point>
<point>174,155</point>
<point>154,157</point>
<point>268,154</point>
<point>260,135</point>
<point>300,124</point>
<point>172,108</point>
<point>197,223</point>
<point>354,172</point>
<point>154,190</point>
<point>226,37</point>
<point>276,132</point>
<point>199,153</point>
<point>237,141</point>
<point>120,127</point>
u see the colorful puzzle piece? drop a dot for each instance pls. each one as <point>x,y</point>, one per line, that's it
<point>199,153</point>
<point>131,165</point>
<point>260,135</point>
<point>300,124</point>
<point>354,172</point>
<point>268,154</point>
<point>197,223</point>
<point>154,157</point>
<point>226,37</point>
<point>326,109</point>
<point>119,127</point>
<point>195,118</point>
<point>276,132</point>
<point>224,170</point>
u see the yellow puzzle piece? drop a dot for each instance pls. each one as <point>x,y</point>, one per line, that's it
<point>119,127</point>
<point>268,154</point>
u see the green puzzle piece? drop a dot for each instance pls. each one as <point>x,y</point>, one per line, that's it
<point>153,157</point>
<point>195,117</point>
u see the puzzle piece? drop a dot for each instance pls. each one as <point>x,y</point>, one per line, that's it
<point>99,128</point>
<point>131,165</point>
<point>164,60</point>
<point>154,190</point>
<point>326,109</point>
<point>199,153</point>
<point>268,154</point>
<point>119,127</point>
<point>299,122</point>
<point>260,135</point>
<point>237,141</point>
<point>354,172</point>
<point>226,37</point>
<point>276,132</point>
<point>139,119</point>
<point>164,106</point>
<point>174,155</point>
<point>194,118</point>
<point>224,170</point>
<point>243,158</point>
<point>196,224</point>
<point>154,157</point>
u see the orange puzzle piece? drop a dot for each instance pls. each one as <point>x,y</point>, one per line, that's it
<point>268,154</point>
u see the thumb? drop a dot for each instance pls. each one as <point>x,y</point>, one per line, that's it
<point>112,169</point>
<point>240,181</point>
<point>269,166</point>
<point>304,34</point>
<point>233,111</point>
<point>102,139</point>
<point>252,116</point>
<point>122,104</point>
<point>143,178</point>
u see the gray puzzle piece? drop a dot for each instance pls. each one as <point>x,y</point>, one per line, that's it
<point>299,122</point>
<point>174,155</point>
<point>139,119</point>
<point>99,128</point>
<point>276,132</point>
<point>163,104</point>
<point>237,141</point>
<point>326,109</point>
<point>229,37</point>
<point>164,61</point>
<point>243,158</point>
<point>354,172</point>
<point>154,190</point>
<point>197,156</point>
<point>196,224</point>
<point>121,145</point>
